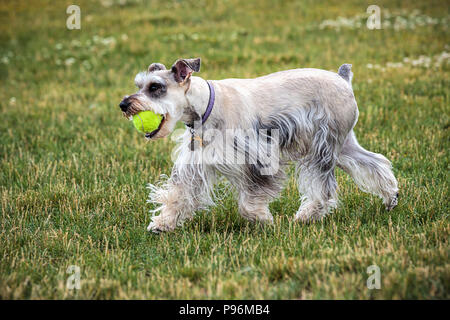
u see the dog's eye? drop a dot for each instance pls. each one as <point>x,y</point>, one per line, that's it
<point>154,86</point>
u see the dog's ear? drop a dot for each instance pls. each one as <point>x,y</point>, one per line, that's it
<point>183,68</point>
<point>156,67</point>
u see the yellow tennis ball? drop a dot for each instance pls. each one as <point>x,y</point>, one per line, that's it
<point>147,121</point>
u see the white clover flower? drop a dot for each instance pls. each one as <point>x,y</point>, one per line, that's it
<point>442,59</point>
<point>86,65</point>
<point>76,43</point>
<point>106,3</point>
<point>69,61</point>
<point>394,65</point>
<point>108,41</point>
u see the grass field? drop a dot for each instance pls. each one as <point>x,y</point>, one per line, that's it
<point>73,171</point>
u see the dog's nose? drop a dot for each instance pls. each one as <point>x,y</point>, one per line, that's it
<point>124,105</point>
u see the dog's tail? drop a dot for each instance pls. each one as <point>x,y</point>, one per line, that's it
<point>345,71</point>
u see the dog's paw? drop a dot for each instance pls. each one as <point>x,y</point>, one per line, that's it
<point>307,217</point>
<point>310,212</point>
<point>392,202</point>
<point>162,224</point>
<point>152,227</point>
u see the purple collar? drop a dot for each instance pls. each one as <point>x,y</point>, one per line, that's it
<point>212,98</point>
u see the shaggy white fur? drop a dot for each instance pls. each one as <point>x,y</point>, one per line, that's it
<point>257,127</point>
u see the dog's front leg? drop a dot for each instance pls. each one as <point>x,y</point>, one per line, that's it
<point>188,189</point>
<point>173,210</point>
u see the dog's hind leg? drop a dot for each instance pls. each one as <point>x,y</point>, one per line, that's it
<point>316,179</point>
<point>319,189</point>
<point>255,191</point>
<point>371,171</point>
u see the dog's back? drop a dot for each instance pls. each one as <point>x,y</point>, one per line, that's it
<point>286,92</point>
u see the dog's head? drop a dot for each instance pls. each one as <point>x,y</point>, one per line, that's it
<point>162,91</point>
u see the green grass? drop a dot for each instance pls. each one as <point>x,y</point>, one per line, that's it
<point>73,172</point>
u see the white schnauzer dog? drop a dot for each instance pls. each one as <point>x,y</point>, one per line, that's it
<point>304,116</point>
